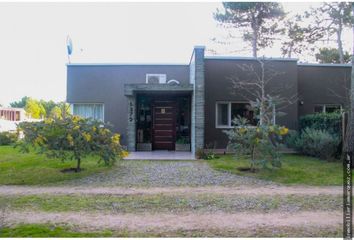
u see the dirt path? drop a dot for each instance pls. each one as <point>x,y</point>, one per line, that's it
<point>265,190</point>
<point>188,221</point>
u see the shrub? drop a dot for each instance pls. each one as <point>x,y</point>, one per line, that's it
<point>182,140</point>
<point>291,138</point>
<point>261,143</point>
<point>317,143</point>
<point>72,138</point>
<point>205,154</point>
<point>332,122</point>
<point>8,138</point>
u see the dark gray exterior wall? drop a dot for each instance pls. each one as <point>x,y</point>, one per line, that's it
<point>219,87</point>
<point>105,84</point>
<point>314,84</point>
<point>322,84</point>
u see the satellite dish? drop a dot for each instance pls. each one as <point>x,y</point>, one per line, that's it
<point>69,46</point>
<point>173,82</point>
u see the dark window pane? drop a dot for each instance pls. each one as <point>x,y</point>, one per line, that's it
<point>318,109</point>
<point>222,114</point>
<point>332,108</point>
<point>243,110</point>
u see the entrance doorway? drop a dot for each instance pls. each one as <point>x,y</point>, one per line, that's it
<point>163,121</point>
<point>164,125</point>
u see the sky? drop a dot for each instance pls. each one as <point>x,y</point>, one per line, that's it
<point>33,54</point>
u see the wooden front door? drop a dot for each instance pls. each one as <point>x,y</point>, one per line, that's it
<point>164,125</point>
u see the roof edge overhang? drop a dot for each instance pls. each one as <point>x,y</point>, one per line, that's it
<point>323,65</point>
<point>250,58</point>
<point>122,64</point>
<point>130,89</point>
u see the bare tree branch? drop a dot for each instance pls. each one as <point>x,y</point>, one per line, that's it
<point>257,86</point>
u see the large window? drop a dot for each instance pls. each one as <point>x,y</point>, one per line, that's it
<point>327,108</point>
<point>92,110</point>
<point>227,111</point>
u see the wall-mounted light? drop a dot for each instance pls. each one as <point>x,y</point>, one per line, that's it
<point>301,102</point>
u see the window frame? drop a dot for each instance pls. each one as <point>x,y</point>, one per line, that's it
<point>91,103</point>
<point>229,120</point>
<point>228,115</point>
<point>325,105</point>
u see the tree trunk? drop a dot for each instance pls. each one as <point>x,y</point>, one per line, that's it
<point>262,120</point>
<point>350,125</point>
<point>290,51</point>
<point>339,42</point>
<point>254,26</point>
<point>254,43</point>
<point>78,169</point>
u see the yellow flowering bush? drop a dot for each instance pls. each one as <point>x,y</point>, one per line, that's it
<point>72,138</point>
<point>260,143</point>
<point>283,131</point>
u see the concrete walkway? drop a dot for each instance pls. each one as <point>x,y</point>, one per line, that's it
<point>160,155</point>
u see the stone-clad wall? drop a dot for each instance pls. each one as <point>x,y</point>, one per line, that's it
<point>198,100</point>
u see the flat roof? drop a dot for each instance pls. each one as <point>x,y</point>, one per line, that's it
<point>323,65</point>
<point>210,58</point>
<point>124,64</point>
<point>249,58</point>
<point>11,108</point>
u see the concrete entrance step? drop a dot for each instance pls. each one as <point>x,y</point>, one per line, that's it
<point>160,155</point>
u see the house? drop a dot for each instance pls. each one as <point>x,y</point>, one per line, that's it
<point>155,106</point>
<point>9,117</point>
<point>12,114</point>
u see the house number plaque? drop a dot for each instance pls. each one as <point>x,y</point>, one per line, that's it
<point>131,110</point>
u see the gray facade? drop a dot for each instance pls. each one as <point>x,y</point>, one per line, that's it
<point>322,84</point>
<point>207,80</point>
<point>219,75</point>
<point>105,84</point>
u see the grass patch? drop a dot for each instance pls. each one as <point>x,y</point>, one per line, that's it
<point>18,168</point>
<point>47,230</point>
<point>171,203</point>
<point>296,169</point>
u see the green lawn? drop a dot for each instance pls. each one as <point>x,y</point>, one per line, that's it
<point>17,168</point>
<point>296,169</point>
<point>47,230</point>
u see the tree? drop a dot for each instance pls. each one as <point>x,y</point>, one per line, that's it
<point>350,126</point>
<point>257,20</point>
<point>333,17</point>
<point>21,103</point>
<point>261,143</point>
<point>34,109</point>
<point>41,108</point>
<point>60,110</point>
<point>48,106</point>
<point>331,55</point>
<point>71,138</point>
<point>296,39</point>
<point>299,38</point>
<point>257,88</point>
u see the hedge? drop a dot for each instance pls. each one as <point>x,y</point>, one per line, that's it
<point>331,122</point>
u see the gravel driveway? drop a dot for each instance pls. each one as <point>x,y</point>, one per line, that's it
<point>164,174</point>
<point>177,198</point>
